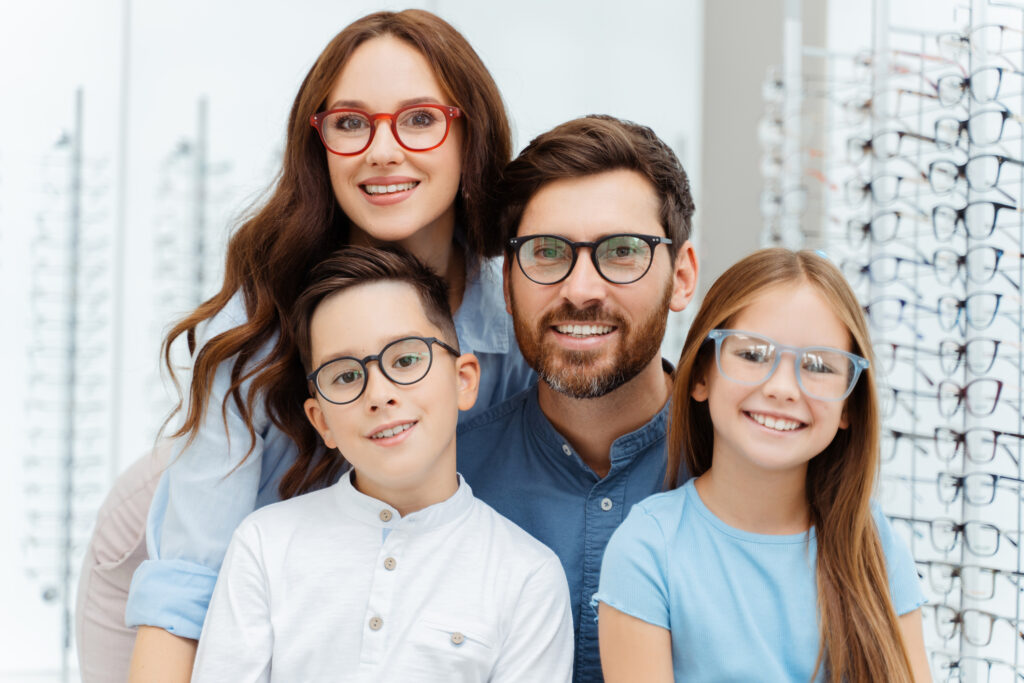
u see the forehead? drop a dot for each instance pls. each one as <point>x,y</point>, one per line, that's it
<point>589,206</point>
<point>361,319</point>
<point>795,314</point>
<point>385,73</point>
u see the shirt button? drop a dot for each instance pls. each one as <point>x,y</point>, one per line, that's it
<point>566,449</point>
<point>606,504</point>
<point>376,623</point>
<point>457,638</point>
<point>385,515</point>
<point>390,563</point>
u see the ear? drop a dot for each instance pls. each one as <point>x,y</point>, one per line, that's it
<point>699,392</point>
<point>684,276</point>
<point>844,418</point>
<point>316,418</point>
<point>506,273</point>
<point>467,373</point>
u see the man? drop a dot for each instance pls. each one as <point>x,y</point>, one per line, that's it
<point>597,218</point>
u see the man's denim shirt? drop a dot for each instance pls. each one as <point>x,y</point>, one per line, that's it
<point>521,466</point>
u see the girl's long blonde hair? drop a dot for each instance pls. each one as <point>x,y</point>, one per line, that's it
<point>860,635</point>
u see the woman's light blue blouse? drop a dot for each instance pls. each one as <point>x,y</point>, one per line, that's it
<point>205,493</point>
<point>740,606</point>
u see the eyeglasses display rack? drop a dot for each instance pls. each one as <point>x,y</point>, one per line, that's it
<point>188,240</point>
<point>68,402</point>
<point>917,191</point>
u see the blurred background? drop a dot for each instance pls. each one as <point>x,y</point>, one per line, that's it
<point>134,135</point>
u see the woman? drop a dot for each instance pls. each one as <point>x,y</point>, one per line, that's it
<point>396,136</point>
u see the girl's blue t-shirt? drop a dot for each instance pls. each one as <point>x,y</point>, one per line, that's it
<point>740,606</point>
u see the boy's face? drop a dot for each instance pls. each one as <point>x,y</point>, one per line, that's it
<point>411,468</point>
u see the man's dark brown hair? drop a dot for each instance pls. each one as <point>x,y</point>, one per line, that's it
<point>590,145</point>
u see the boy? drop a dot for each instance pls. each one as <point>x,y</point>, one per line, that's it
<point>395,573</point>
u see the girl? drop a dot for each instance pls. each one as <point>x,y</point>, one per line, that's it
<point>772,564</point>
<point>396,136</point>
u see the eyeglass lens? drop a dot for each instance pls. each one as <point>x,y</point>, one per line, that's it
<point>822,372</point>
<point>547,259</point>
<point>348,131</point>
<point>405,361</point>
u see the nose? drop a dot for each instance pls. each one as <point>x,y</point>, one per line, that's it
<point>783,385</point>
<point>384,148</point>
<point>584,285</point>
<point>380,391</point>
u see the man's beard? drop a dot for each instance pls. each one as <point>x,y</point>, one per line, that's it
<point>573,373</point>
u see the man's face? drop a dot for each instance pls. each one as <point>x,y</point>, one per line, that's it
<point>586,336</point>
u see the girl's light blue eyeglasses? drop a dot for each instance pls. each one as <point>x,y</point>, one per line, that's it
<point>822,372</point>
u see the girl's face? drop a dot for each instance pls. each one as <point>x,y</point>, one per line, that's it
<point>795,315</point>
<point>389,193</point>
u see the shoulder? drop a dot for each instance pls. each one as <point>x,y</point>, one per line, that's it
<point>228,318</point>
<point>510,541</point>
<point>497,417</point>
<point>661,509</point>
<point>281,519</point>
<point>655,522</point>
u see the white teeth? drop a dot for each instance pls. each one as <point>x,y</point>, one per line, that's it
<point>776,423</point>
<point>584,330</point>
<point>391,431</point>
<point>387,189</point>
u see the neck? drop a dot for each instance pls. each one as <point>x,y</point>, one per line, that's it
<point>591,425</point>
<point>434,246</point>
<point>419,490</point>
<point>755,500</point>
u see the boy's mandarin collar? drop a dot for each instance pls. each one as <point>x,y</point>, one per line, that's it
<point>373,512</point>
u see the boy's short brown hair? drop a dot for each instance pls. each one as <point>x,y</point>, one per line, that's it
<point>352,266</point>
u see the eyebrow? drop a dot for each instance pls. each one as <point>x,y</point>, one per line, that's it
<point>359,104</point>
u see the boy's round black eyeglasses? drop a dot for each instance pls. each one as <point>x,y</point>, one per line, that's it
<point>417,128</point>
<point>403,361</point>
<point>620,258</point>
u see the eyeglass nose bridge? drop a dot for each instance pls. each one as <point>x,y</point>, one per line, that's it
<point>375,120</point>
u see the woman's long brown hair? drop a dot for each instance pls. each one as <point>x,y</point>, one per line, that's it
<point>300,223</point>
<point>861,640</point>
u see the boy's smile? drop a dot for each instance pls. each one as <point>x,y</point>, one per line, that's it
<point>399,438</point>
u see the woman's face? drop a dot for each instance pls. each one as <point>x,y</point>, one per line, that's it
<point>389,193</point>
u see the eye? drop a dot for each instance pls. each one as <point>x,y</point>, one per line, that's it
<point>349,123</point>
<point>823,362</point>
<point>755,353</point>
<point>408,360</point>
<point>547,250</point>
<point>346,376</point>
<point>420,118</point>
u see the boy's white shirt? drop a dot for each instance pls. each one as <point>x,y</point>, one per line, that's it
<point>460,592</point>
